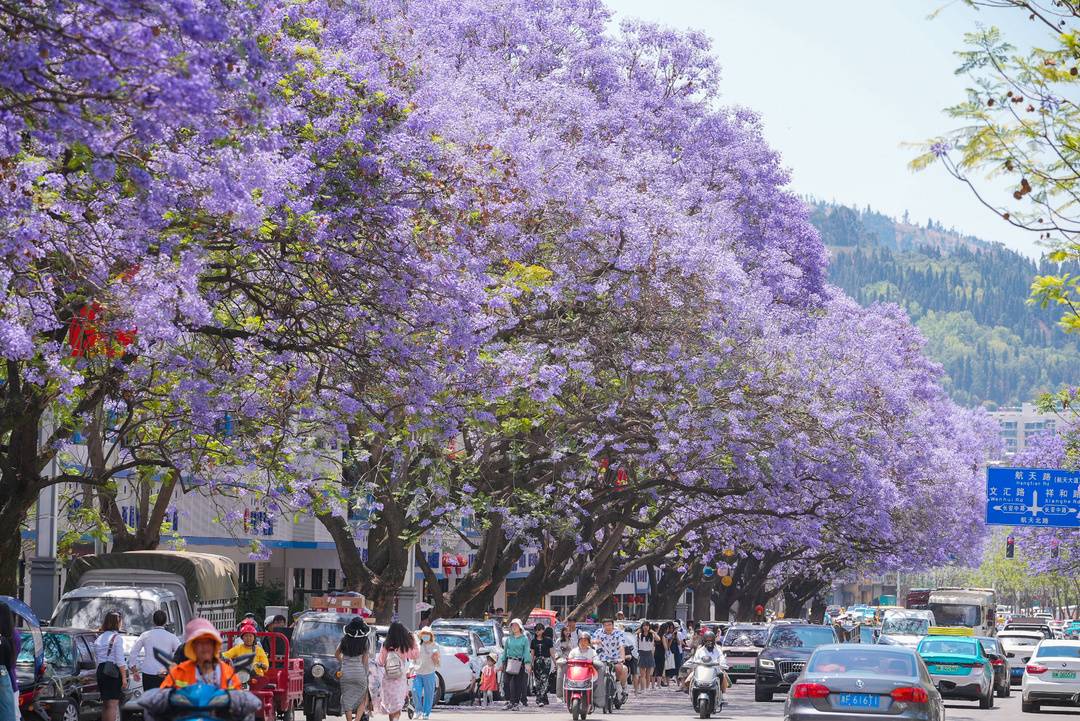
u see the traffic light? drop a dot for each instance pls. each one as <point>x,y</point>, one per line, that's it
<point>1010,543</point>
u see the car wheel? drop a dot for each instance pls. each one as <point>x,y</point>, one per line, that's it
<point>1005,691</point>
<point>762,695</point>
<point>67,711</point>
<point>987,701</point>
<point>1029,707</point>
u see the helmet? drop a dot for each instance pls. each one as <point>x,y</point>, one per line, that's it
<point>585,635</point>
<point>247,626</point>
<point>709,637</point>
<point>196,629</point>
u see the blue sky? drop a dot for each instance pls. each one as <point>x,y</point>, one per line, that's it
<point>841,85</point>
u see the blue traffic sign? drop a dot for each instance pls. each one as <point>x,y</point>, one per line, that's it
<point>1047,497</point>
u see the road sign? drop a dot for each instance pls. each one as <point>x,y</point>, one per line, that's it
<point>1047,497</point>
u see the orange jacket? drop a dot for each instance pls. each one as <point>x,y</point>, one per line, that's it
<point>183,674</point>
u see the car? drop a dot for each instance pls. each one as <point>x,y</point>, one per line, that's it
<point>490,631</point>
<point>998,660</point>
<point>900,630</point>
<point>1052,676</point>
<point>69,691</point>
<point>741,645</point>
<point>1030,624</point>
<point>1018,647</point>
<point>787,648</point>
<point>856,681</point>
<point>960,668</point>
<point>464,646</point>
<point>1072,629</point>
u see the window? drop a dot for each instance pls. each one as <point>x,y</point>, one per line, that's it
<point>247,575</point>
<point>316,579</point>
<point>331,579</point>
<point>298,577</point>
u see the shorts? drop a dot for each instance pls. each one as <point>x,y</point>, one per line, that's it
<point>631,666</point>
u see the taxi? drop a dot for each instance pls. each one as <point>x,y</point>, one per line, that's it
<point>958,665</point>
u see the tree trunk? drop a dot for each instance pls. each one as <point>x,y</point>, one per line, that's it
<point>703,605</point>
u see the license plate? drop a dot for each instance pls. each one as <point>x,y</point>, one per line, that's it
<point>1063,674</point>
<point>741,667</point>
<point>857,700</point>
<point>947,667</point>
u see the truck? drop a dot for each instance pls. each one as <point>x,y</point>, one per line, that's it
<point>975,608</point>
<point>185,585</point>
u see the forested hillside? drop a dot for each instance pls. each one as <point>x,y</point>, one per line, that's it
<point>968,296</point>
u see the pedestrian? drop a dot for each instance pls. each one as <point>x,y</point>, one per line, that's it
<point>489,678</point>
<point>516,659</point>
<point>541,647</point>
<point>202,659</point>
<point>10,641</point>
<point>646,641</point>
<point>571,625</point>
<point>630,653</point>
<point>425,681</point>
<point>112,666</point>
<point>277,624</point>
<point>352,656</point>
<point>149,644</point>
<point>398,649</point>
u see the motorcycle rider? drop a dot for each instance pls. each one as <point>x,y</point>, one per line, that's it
<point>709,652</point>
<point>609,640</point>
<point>586,652</point>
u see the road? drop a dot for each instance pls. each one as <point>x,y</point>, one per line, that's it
<point>740,707</point>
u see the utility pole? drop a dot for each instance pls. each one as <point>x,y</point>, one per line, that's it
<point>44,569</point>
<point>408,594</point>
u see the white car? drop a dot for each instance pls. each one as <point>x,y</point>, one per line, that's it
<point>902,630</point>
<point>1052,676</point>
<point>1018,647</point>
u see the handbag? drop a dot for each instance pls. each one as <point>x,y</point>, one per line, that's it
<point>513,666</point>
<point>109,668</point>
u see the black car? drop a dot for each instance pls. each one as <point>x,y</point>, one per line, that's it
<point>787,649</point>
<point>315,638</point>
<point>69,689</point>
<point>993,650</point>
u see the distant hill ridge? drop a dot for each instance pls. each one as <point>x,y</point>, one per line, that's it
<point>967,295</point>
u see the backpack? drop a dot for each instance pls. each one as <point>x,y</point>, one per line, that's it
<point>393,666</point>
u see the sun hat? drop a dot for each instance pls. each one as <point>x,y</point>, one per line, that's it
<point>519,624</point>
<point>428,630</point>
<point>198,628</point>
<point>356,628</point>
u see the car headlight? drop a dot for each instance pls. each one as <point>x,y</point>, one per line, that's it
<point>318,670</point>
<point>766,663</point>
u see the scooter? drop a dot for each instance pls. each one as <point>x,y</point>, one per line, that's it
<point>199,701</point>
<point>581,675</point>
<point>705,688</point>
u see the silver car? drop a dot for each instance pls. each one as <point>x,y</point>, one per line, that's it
<point>850,682</point>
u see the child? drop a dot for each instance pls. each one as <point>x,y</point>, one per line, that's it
<point>489,680</point>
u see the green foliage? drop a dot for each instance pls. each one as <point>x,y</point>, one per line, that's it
<point>255,599</point>
<point>967,297</point>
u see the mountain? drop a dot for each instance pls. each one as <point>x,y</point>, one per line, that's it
<point>968,296</point>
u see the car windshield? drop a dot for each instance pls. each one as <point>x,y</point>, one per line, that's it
<point>452,640</point>
<point>801,637</point>
<point>1019,641</point>
<point>1058,650</point>
<point>949,646</point>
<point>485,633</point>
<point>316,638</point>
<point>137,613</point>
<point>879,662</point>
<point>953,614</point>
<point>59,651</point>
<point>26,648</point>
<point>989,645</point>
<point>905,626</point>
<point>744,637</point>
